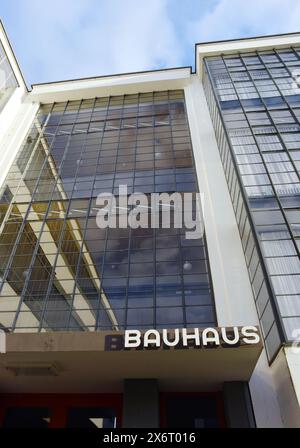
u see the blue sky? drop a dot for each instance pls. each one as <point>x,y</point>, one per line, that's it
<point>63,39</point>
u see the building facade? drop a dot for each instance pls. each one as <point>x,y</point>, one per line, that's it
<point>185,313</point>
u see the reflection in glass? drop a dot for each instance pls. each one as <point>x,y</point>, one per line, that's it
<point>59,270</point>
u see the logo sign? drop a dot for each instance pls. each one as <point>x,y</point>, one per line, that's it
<point>184,338</point>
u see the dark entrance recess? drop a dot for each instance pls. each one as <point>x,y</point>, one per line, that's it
<point>192,410</point>
<point>177,410</point>
<point>61,410</point>
<point>91,418</point>
<point>26,418</point>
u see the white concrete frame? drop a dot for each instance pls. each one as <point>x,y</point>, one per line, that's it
<point>16,116</point>
<point>274,389</point>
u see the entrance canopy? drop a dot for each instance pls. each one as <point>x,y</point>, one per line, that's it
<point>79,362</point>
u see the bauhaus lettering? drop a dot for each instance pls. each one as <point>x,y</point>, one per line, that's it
<point>184,338</point>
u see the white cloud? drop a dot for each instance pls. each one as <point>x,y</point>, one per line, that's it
<point>75,38</point>
<point>236,18</point>
<point>63,39</point>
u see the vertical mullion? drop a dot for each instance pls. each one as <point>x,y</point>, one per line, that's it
<point>154,234</point>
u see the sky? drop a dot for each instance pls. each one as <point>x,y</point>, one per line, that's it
<point>66,39</point>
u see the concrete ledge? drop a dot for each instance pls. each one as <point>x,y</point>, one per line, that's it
<point>83,364</point>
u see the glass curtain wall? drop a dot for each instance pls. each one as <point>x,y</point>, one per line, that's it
<point>258,99</point>
<point>59,270</point>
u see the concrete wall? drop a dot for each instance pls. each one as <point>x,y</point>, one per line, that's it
<point>16,116</point>
<point>237,405</point>
<point>232,289</point>
<point>264,392</point>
